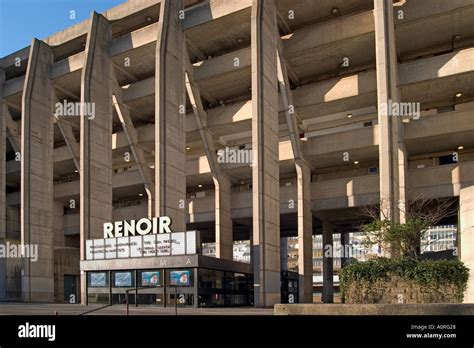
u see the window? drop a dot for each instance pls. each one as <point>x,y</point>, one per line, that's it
<point>123,279</point>
<point>373,170</point>
<point>210,279</point>
<point>98,279</point>
<point>180,277</point>
<point>444,160</point>
<point>151,278</point>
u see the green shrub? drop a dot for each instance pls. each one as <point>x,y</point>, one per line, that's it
<point>430,274</point>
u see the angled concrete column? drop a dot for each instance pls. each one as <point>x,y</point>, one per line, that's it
<point>131,133</point>
<point>391,149</point>
<point>3,206</point>
<point>328,266</point>
<point>66,130</point>
<point>265,170</point>
<point>37,129</point>
<point>170,174</point>
<point>466,236</point>
<point>13,132</point>
<point>96,136</point>
<point>222,183</point>
<point>305,232</point>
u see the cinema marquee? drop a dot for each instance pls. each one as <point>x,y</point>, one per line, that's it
<point>150,263</point>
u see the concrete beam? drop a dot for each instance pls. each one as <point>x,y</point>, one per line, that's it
<point>211,10</point>
<point>37,175</point>
<point>67,65</point>
<point>265,169</point>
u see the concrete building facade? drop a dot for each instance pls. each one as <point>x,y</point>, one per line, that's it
<point>246,120</point>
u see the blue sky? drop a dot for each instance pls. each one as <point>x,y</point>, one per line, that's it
<point>22,20</point>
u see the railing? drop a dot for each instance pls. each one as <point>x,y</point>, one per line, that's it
<point>144,288</point>
<point>95,309</point>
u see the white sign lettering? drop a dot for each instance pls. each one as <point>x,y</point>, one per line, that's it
<point>141,227</point>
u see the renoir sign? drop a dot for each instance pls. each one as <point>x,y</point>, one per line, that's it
<point>142,238</point>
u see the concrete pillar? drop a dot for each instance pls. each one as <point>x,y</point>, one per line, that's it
<point>224,237</point>
<point>3,204</point>
<point>265,169</point>
<point>305,233</point>
<point>466,236</point>
<point>36,216</point>
<point>170,94</point>
<point>328,265</point>
<point>96,136</point>
<point>345,249</point>
<point>391,147</point>
<point>284,254</point>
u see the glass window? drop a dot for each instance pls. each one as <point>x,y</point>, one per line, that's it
<point>98,279</point>
<point>123,279</point>
<point>150,278</point>
<point>229,281</point>
<point>180,299</point>
<point>97,298</point>
<point>210,279</point>
<point>240,281</point>
<point>180,277</point>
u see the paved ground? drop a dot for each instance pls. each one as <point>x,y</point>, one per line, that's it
<point>69,309</point>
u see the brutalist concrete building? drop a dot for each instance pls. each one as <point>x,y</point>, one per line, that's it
<point>244,120</point>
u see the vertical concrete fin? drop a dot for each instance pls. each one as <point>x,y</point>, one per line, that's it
<point>265,169</point>
<point>96,135</point>
<point>170,104</point>
<point>37,128</point>
<point>391,145</point>
<point>3,203</point>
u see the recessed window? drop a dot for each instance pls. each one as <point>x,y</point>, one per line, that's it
<point>444,160</point>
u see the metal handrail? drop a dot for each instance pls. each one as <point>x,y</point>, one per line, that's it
<point>148,287</point>
<point>95,309</point>
<point>136,297</point>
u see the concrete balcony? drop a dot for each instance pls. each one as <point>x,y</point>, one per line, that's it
<point>440,181</point>
<point>345,193</point>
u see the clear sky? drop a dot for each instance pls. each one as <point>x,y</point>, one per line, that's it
<point>23,20</point>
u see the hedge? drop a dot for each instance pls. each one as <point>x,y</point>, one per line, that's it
<point>428,273</point>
